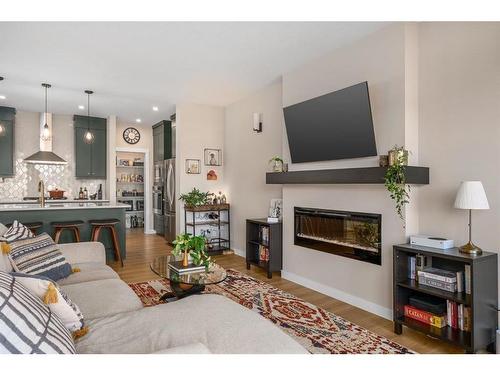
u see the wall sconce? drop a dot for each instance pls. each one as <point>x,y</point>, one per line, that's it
<point>257,122</point>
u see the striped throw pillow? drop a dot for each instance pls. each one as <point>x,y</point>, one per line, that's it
<point>16,232</point>
<point>27,326</point>
<point>52,296</point>
<point>39,256</point>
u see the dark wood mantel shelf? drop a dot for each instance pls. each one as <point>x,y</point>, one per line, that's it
<point>366,175</point>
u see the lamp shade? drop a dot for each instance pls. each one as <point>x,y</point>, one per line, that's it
<point>471,196</point>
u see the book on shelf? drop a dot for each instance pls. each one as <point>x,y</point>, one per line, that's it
<point>179,268</point>
<point>412,270</point>
<point>263,253</point>
<point>439,274</point>
<point>431,304</point>
<point>449,287</point>
<point>467,279</point>
<point>460,282</point>
<point>264,234</point>
<point>459,316</point>
<point>438,321</point>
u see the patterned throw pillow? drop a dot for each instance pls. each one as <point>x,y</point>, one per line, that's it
<point>57,301</point>
<point>39,256</point>
<point>27,326</point>
<point>16,232</point>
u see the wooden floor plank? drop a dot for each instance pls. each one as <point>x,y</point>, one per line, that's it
<point>142,249</point>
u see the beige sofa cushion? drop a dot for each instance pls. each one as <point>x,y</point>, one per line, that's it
<point>196,348</point>
<point>102,298</point>
<point>90,271</point>
<point>220,324</point>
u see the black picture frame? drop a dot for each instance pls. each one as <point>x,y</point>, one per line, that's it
<point>212,157</point>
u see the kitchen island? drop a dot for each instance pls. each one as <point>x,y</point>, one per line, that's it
<point>67,211</point>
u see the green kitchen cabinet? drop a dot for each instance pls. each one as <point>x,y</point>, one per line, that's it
<point>7,119</point>
<point>90,159</point>
<point>162,141</point>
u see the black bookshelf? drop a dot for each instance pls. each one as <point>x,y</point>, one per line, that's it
<point>483,299</point>
<point>274,244</point>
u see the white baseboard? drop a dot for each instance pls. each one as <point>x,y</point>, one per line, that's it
<point>149,231</point>
<point>239,252</point>
<point>382,311</point>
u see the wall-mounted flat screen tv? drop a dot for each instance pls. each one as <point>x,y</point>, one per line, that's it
<point>333,126</point>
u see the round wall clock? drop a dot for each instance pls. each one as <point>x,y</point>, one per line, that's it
<point>131,135</point>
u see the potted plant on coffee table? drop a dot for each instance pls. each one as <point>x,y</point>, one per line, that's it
<point>191,246</point>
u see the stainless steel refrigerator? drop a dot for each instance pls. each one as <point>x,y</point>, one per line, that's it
<point>169,200</point>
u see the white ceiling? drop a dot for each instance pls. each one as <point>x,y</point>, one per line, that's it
<point>134,66</point>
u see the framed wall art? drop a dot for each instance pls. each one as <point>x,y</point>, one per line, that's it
<point>213,157</point>
<point>193,166</point>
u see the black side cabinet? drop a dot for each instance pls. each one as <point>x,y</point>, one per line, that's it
<point>7,119</point>
<point>90,159</point>
<point>264,245</point>
<point>162,141</point>
<point>483,299</point>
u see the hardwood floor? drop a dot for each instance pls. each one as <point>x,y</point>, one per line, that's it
<point>142,249</point>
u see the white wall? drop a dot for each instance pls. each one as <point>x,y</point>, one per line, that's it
<point>459,85</point>
<point>247,158</point>
<point>385,59</point>
<point>197,127</point>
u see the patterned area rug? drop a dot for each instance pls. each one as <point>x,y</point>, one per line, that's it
<point>318,330</point>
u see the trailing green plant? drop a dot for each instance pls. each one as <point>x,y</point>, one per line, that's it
<point>276,159</point>
<point>395,181</point>
<point>195,246</point>
<point>194,198</point>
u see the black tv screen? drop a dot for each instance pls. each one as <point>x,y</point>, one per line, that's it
<point>334,126</point>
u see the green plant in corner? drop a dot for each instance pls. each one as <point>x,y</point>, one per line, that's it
<point>395,180</point>
<point>194,246</point>
<point>194,198</point>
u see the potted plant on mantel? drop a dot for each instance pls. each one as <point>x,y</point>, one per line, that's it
<point>191,246</point>
<point>395,179</point>
<point>277,163</point>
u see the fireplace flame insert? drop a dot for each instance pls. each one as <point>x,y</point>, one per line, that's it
<point>353,235</point>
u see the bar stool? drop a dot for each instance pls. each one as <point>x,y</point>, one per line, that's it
<point>97,225</point>
<point>60,226</point>
<point>33,226</point>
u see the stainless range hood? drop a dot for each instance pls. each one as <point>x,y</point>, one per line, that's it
<point>45,155</point>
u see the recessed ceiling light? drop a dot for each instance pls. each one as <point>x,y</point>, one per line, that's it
<point>138,120</point>
<point>81,107</point>
<point>155,108</point>
<point>3,97</point>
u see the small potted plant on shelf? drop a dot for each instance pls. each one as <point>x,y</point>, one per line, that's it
<point>395,179</point>
<point>277,163</point>
<point>194,198</point>
<point>191,247</point>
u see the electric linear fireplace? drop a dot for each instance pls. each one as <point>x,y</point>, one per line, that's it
<point>353,235</point>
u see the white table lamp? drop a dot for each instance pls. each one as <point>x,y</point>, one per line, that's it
<point>471,196</point>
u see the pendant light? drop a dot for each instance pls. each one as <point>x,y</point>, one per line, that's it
<point>2,127</point>
<point>88,137</point>
<point>45,136</point>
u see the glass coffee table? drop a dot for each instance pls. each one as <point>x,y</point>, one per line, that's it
<point>186,284</point>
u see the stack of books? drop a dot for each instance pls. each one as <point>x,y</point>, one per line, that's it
<point>263,253</point>
<point>458,316</point>
<point>180,269</point>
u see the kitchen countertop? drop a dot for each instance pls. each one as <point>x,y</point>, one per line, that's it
<point>61,205</point>
<point>47,200</point>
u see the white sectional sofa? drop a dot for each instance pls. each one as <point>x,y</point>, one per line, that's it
<point>197,324</point>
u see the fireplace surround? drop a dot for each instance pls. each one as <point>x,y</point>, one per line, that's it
<point>354,235</point>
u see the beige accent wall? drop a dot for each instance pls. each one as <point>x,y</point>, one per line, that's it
<point>247,158</point>
<point>459,116</point>
<point>197,127</point>
<point>380,59</point>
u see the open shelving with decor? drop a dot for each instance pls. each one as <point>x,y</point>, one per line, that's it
<point>264,245</point>
<point>130,186</point>
<point>212,221</point>
<point>482,299</point>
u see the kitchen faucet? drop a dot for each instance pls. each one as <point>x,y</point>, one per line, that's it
<point>41,190</point>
